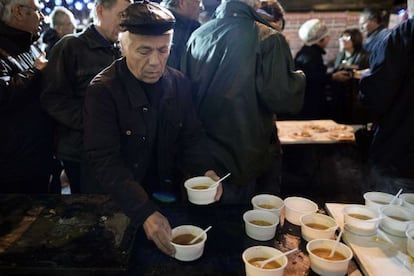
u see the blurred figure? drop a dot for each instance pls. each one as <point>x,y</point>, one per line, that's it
<point>62,22</point>
<point>351,57</point>
<point>388,92</point>
<point>243,72</point>
<point>186,13</point>
<point>26,138</point>
<point>140,125</point>
<point>73,62</point>
<point>315,36</point>
<point>274,13</point>
<point>373,24</point>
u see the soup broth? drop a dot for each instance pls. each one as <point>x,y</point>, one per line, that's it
<point>398,218</point>
<point>201,187</point>
<point>324,253</point>
<point>260,222</point>
<point>317,226</point>
<point>360,216</point>
<point>184,239</point>
<point>266,206</point>
<point>271,265</point>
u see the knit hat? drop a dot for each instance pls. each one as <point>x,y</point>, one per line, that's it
<point>312,31</point>
<point>146,18</point>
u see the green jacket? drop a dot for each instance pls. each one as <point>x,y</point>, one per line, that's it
<point>242,72</point>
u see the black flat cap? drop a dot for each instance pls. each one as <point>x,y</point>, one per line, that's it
<point>146,18</point>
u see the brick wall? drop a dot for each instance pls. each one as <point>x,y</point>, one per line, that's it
<point>336,22</point>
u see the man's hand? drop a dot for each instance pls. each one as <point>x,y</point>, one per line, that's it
<point>212,174</point>
<point>41,62</point>
<point>158,229</point>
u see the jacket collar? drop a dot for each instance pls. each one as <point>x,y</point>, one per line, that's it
<point>11,37</point>
<point>94,39</point>
<point>133,87</point>
<point>239,9</point>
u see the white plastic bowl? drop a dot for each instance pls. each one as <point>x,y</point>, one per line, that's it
<point>191,252</point>
<point>408,200</point>
<point>309,232</point>
<point>396,219</point>
<point>264,201</point>
<point>263,252</point>
<point>200,196</point>
<point>258,232</point>
<point>295,207</point>
<point>359,226</point>
<point>328,267</point>
<point>410,239</point>
<point>376,200</point>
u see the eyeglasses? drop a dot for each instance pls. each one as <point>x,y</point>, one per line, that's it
<point>345,38</point>
<point>35,9</point>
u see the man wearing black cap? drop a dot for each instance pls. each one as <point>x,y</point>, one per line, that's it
<point>141,132</point>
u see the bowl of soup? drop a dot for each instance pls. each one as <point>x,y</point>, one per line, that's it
<point>295,207</point>
<point>268,202</point>
<point>319,254</point>
<point>376,200</point>
<point>200,190</point>
<point>408,200</point>
<point>361,220</point>
<point>396,219</point>
<point>260,253</point>
<point>317,226</point>
<point>181,237</point>
<point>260,225</point>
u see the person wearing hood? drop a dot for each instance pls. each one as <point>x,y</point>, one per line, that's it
<point>62,22</point>
<point>26,157</point>
<point>243,73</point>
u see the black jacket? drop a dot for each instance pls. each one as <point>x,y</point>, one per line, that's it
<point>388,91</point>
<point>25,129</point>
<point>121,132</point>
<point>73,63</point>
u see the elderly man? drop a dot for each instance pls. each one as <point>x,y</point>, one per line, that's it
<point>387,91</point>
<point>141,132</point>
<point>242,70</point>
<point>372,23</point>
<point>62,22</point>
<point>73,62</point>
<point>26,131</point>
<point>186,13</point>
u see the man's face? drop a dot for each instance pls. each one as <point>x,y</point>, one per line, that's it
<point>110,19</point>
<point>146,56</point>
<point>190,8</point>
<point>66,26</point>
<point>30,17</point>
<point>365,25</point>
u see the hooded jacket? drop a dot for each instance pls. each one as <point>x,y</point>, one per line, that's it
<point>243,73</point>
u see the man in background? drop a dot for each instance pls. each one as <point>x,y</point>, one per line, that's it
<point>73,62</point>
<point>26,135</point>
<point>373,24</point>
<point>62,22</point>
<point>186,13</point>
<point>388,91</point>
<point>243,73</point>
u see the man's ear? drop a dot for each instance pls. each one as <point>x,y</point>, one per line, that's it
<point>99,10</point>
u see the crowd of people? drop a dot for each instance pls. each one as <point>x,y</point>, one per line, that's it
<point>147,96</point>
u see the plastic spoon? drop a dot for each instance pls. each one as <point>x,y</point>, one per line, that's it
<point>263,263</point>
<point>218,181</point>
<point>336,244</point>
<point>395,197</point>
<point>199,235</point>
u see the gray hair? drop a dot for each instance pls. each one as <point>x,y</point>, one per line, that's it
<point>252,3</point>
<point>57,14</point>
<point>170,4</point>
<point>6,8</point>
